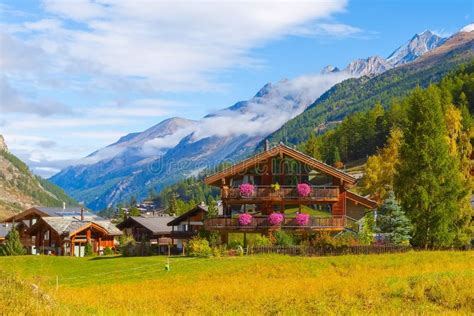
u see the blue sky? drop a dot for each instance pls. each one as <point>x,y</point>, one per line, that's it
<point>77,75</point>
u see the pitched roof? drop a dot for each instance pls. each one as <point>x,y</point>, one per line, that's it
<point>198,208</point>
<point>71,225</point>
<point>157,224</point>
<point>53,212</point>
<point>281,149</point>
<point>359,199</point>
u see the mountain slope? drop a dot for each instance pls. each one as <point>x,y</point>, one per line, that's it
<point>358,94</point>
<point>177,148</point>
<point>20,189</point>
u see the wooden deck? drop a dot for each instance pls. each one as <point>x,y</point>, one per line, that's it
<point>285,193</point>
<point>261,224</point>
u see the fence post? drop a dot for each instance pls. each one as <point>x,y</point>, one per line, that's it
<point>57,282</point>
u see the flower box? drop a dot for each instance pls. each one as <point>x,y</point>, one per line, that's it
<point>246,189</point>
<point>275,219</point>
<point>245,219</point>
<point>303,189</point>
<point>302,219</point>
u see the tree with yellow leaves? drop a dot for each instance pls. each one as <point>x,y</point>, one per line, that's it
<point>381,168</point>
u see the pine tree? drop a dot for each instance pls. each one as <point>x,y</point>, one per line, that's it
<point>212,210</point>
<point>13,245</point>
<point>173,204</point>
<point>366,234</point>
<point>428,181</point>
<point>312,147</point>
<point>393,222</point>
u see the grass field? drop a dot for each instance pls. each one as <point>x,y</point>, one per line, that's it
<point>421,282</point>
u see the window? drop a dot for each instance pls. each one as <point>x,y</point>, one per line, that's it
<point>46,235</point>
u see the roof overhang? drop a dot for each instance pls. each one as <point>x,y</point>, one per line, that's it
<point>280,150</point>
<point>360,200</point>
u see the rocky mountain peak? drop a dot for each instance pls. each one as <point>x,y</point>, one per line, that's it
<point>373,65</point>
<point>418,45</point>
<point>329,69</point>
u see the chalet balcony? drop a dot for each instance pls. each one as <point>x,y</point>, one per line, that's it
<point>267,193</point>
<point>261,224</point>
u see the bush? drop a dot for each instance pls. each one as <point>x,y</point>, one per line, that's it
<point>283,238</point>
<point>198,247</point>
<point>127,246</point>
<point>261,241</point>
<point>88,251</point>
<point>13,245</point>
<point>234,244</point>
<point>108,251</point>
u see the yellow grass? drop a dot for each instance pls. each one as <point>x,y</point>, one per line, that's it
<point>410,283</point>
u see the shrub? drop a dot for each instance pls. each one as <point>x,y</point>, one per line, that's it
<point>234,244</point>
<point>303,189</point>
<point>275,219</point>
<point>246,189</point>
<point>283,238</point>
<point>245,219</point>
<point>13,245</point>
<point>127,246</point>
<point>302,219</point>
<point>108,251</point>
<point>88,251</point>
<point>262,241</point>
<point>198,247</point>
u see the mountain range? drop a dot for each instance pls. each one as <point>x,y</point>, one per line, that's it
<point>285,111</point>
<point>20,189</point>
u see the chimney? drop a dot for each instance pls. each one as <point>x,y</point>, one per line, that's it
<point>82,213</point>
<point>64,205</point>
<point>267,145</point>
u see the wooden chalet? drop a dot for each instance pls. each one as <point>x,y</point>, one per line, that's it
<point>63,231</point>
<point>147,228</point>
<point>188,225</point>
<point>328,203</point>
<point>4,230</point>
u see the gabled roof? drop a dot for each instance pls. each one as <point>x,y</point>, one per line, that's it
<point>53,212</point>
<point>280,149</point>
<point>70,225</point>
<point>157,225</point>
<point>359,199</point>
<point>197,209</point>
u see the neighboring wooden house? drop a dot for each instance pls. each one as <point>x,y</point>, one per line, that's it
<point>63,231</point>
<point>188,225</point>
<point>147,228</point>
<point>327,194</point>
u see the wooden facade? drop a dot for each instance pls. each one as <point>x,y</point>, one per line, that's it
<point>275,174</point>
<point>188,225</point>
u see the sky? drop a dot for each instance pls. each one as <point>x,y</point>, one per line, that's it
<point>77,75</point>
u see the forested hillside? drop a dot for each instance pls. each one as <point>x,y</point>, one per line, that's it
<point>20,189</point>
<point>355,95</point>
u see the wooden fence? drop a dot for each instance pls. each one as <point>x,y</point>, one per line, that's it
<point>326,251</point>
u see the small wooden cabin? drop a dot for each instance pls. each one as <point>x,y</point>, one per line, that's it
<point>148,228</point>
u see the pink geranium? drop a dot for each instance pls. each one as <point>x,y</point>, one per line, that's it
<point>303,189</point>
<point>302,219</point>
<point>246,189</point>
<point>275,219</point>
<point>245,219</point>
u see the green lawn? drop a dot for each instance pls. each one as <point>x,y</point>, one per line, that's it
<point>410,283</point>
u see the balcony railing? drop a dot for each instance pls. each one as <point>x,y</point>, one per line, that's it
<point>262,223</point>
<point>285,192</point>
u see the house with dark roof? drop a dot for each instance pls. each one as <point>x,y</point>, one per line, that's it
<point>149,228</point>
<point>275,186</point>
<point>188,225</point>
<point>63,231</point>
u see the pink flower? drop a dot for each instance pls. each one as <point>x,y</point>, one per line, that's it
<point>246,189</point>
<point>245,219</point>
<point>303,189</point>
<point>302,219</point>
<point>275,219</point>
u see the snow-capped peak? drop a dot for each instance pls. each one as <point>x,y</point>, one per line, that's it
<point>468,28</point>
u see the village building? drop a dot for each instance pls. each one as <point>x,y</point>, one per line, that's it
<point>147,228</point>
<point>4,230</point>
<point>189,224</point>
<point>287,182</point>
<point>63,231</point>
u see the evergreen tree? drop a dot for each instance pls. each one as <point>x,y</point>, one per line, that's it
<point>428,181</point>
<point>134,211</point>
<point>173,204</point>
<point>393,222</point>
<point>366,234</point>
<point>312,147</point>
<point>88,251</point>
<point>212,210</point>
<point>13,246</point>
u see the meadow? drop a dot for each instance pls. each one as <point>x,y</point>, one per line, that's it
<point>408,283</point>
